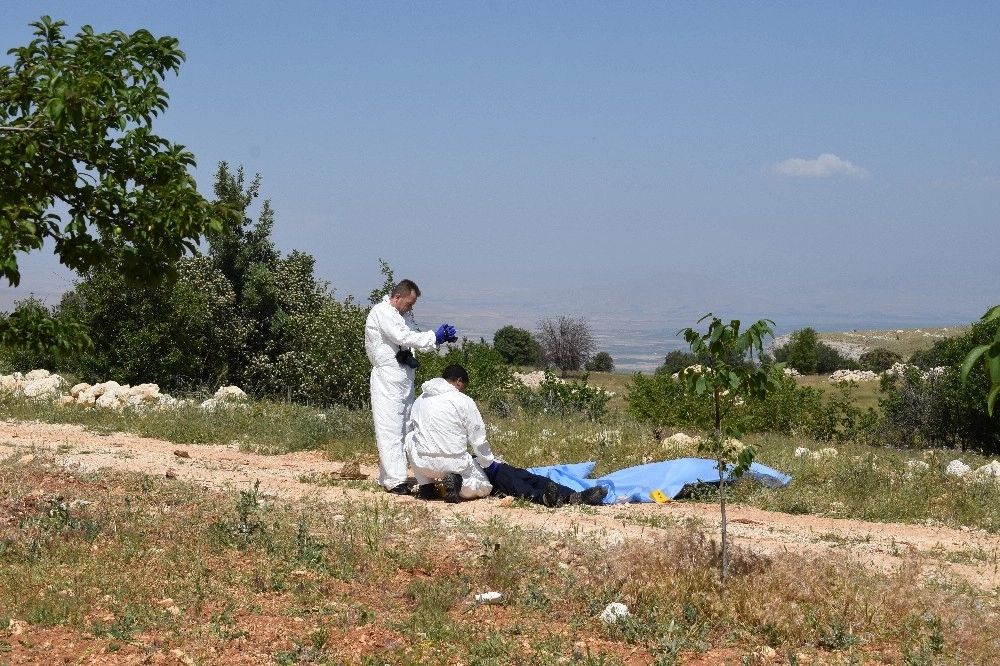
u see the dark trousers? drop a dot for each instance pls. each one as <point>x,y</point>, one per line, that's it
<point>521,483</point>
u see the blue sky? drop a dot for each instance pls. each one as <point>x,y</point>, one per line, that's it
<point>634,163</point>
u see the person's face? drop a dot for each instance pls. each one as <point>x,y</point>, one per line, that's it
<point>403,304</point>
<point>460,384</point>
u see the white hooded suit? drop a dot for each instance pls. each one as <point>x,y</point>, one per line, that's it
<point>387,332</point>
<point>443,423</point>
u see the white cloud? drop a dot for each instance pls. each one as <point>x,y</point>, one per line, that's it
<point>826,165</point>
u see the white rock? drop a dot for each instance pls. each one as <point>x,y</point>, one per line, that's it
<point>489,597</point>
<point>230,393</point>
<point>145,392</point>
<point>801,451</point>
<point>112,400</point>
<point>988,472</point>
<point>42,387</point>
<point>613,611</point>
<point>78,389</point>
<point>36,374</point>
<point>957,468</point>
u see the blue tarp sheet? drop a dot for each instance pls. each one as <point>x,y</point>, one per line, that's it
<point>634,484</point>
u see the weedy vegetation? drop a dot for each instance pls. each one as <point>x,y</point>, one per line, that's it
<point>128,566</point>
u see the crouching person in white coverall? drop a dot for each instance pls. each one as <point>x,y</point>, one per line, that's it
<point>443,423</point>
<point>390,338</point>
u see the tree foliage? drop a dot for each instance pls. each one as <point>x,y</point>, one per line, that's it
<point>601,362</point>
<point>176,334</point>
<point>802,351</point>
<point>948,406</point>
<point>879,359</point>
<point>76,135</point>
<point>516,346</point>
<point>829,360</point>
<point>675,361</point>
<point>990,355</point>
<point>566,342</point>
<point>242,314</point>
<point>76,120</point>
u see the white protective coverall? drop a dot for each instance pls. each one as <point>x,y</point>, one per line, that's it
<point>443,423</point>
<point>386,332</point>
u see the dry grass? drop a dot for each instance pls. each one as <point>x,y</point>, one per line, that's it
<point>128,569</point>
<point>863,394</point>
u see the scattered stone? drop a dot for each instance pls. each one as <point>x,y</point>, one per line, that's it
<point>957,468</point>
<point>613,611</point>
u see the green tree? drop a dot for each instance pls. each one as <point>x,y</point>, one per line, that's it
<point>516,346</point>
<point>729,384</point>
<point>76,129</point>
<point>601,362</point>
<point>802,351</point>
<point>177,334</point>
<point>879,359</point>
<point>830,360</point>
<point>675,361</point>
<point>41,339</point>
<point>326,361</point>
<point>990,355</point>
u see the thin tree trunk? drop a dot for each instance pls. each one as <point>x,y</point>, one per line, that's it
<point>722,490</point>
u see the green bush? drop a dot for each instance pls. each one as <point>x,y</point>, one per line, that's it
<point>602,362</point>
<point>939,409</point>
<point>829,360</point>
<point>516,346</point>
<point>789,409</point>
<point>566,398</point>
<point>802,351</point>
<point>676,361</point>
<point>879,359</point>
<point>491,380</point>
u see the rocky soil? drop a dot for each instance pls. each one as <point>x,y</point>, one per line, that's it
<point>941,551</point>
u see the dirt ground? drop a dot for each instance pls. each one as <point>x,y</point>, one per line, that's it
<point>941,551</point>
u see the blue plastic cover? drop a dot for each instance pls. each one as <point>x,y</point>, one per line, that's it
<point>634,484</point>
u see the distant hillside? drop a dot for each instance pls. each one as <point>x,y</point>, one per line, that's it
<point>904,342</point>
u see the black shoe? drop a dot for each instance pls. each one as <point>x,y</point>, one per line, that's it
<point>452,485</point>
<point>427,491</point>
<point>594,495</point>
<point>401,489</point>
<point>552,497</point>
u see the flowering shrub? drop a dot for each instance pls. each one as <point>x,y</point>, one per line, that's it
<point>564,397</point>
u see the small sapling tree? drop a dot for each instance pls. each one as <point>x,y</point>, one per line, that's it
<point>728,377</point>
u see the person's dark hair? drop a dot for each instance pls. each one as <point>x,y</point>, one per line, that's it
<point>455,371</point>
<point>405,288</point>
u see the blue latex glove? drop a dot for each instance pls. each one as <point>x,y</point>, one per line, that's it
<point>441,334</point>
<point>452,336</point>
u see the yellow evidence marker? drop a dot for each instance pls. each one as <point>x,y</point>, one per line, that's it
<point>659,497</point>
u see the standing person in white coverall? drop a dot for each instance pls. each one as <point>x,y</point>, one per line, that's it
<point>390,338</point>
<point>443,423</point>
